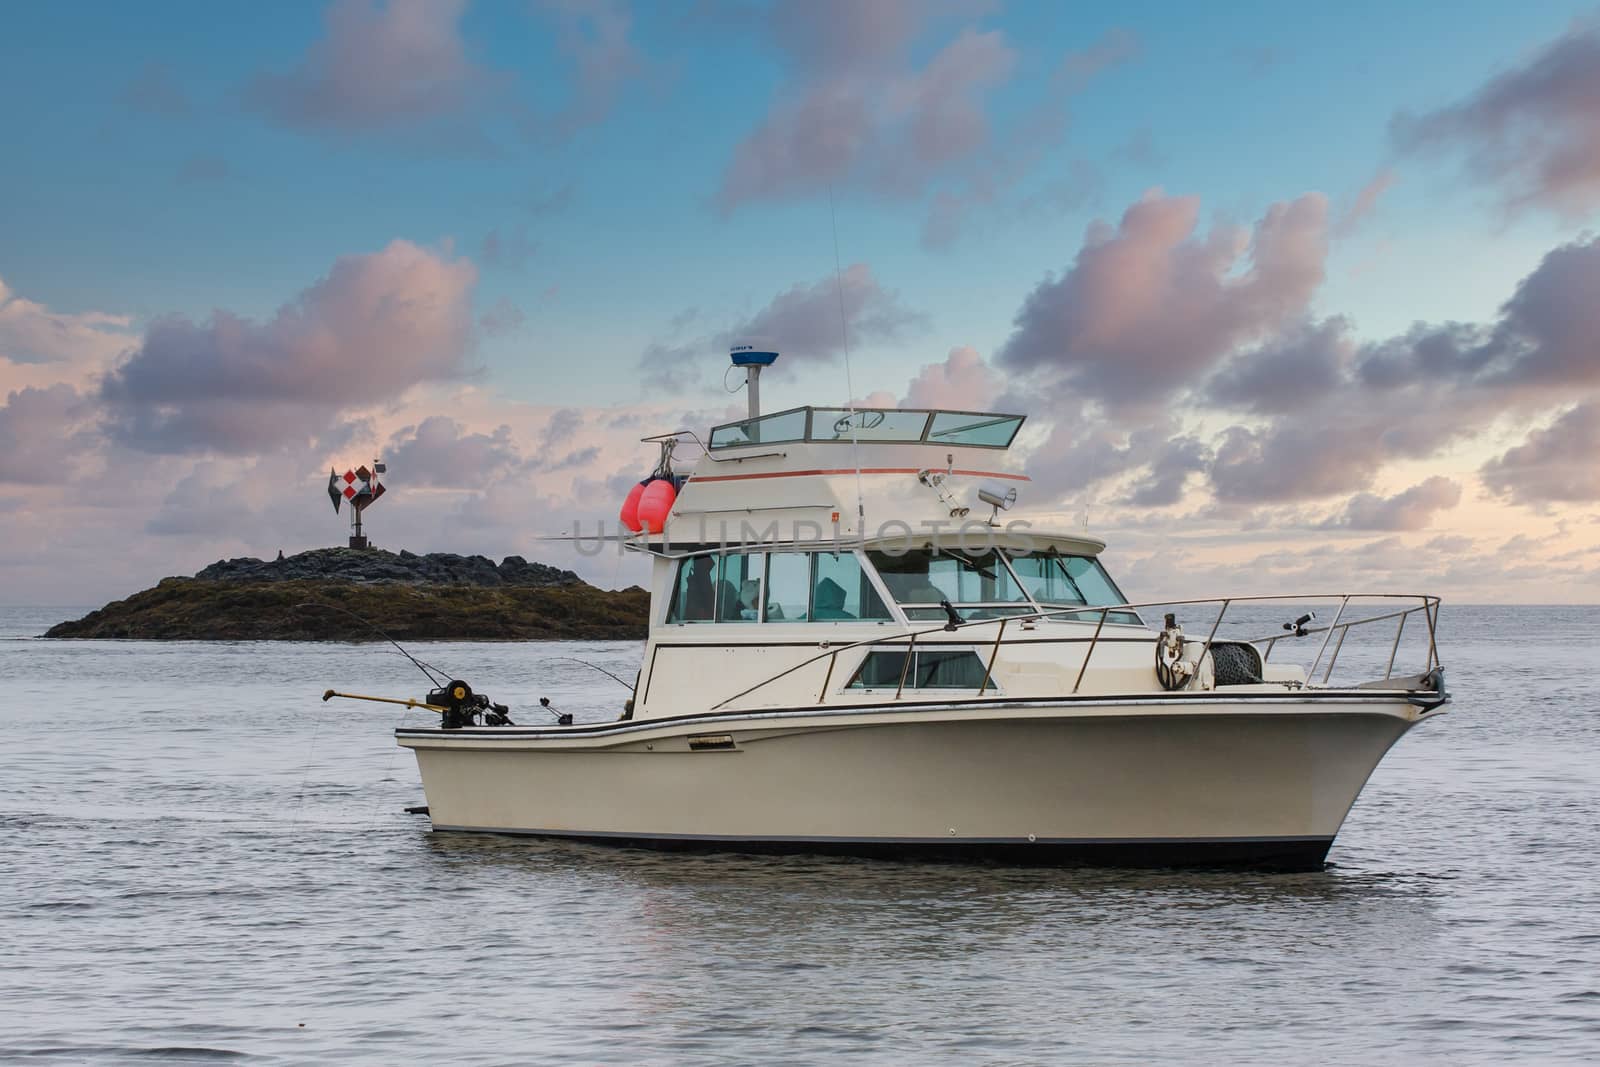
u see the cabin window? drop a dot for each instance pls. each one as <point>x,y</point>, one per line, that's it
<point>1057,581</point>
<point>739,590</point>
<point>941,668</point>
<point>788,586</point>
<point>694,594</point>
<point>720,587</point>
<point>841,591</point>
<point>979,584</point>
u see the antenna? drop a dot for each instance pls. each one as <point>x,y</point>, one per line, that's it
<point>849,384</point>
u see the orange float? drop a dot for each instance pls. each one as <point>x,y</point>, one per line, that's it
<point>655,504</point>
<point>630,507</point>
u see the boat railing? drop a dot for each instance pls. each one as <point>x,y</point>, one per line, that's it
<point>1427,606</point>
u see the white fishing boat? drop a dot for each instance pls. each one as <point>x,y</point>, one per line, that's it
<point>860,643</point>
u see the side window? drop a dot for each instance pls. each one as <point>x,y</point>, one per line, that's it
<point>739,588</point>
<point>694,594</point>
<point>717,588</point>
<point>788,586</point>
<point>841,590</point>
<point>931,669</point>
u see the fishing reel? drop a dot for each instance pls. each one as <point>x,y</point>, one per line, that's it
<point>462,707</point>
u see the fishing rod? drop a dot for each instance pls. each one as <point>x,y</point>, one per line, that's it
<point>451,698</point>
<point>434,675</point>
<point>407,703</point>
<point>592,666</point>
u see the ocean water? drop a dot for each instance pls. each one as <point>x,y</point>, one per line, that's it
<point>202,860</point>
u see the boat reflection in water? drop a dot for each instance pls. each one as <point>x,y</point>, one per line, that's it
<point>861,643</point>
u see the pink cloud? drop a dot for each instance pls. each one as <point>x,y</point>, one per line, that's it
<point>377,65</point>
<point>1533,130</point>
<point>856,108</point>
<point>803,322</point>
<point>1411,509</point>
<point>43,434</point>
<point>375,326</point>
<point>964,381</point>
<point>1365,203</point>
<point>30,332</point>
<point>440,452</point>
<point>1149,305</point>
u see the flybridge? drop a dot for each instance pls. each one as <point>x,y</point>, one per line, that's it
<point>971,429</point>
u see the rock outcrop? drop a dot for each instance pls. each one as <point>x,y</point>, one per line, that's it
<point>338,594</point>
<point>376,566</point>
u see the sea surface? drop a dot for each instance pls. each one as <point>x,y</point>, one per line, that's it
<point>202,860</point>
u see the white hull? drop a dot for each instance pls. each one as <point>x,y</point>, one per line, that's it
<point>1263,779</point>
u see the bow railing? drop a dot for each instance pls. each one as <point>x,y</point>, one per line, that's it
<point>1427,606</point>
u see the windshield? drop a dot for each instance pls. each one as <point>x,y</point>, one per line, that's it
<point>887,425</point>
<point>978,583</point>
<point>867,424</point>
<point>1057,581</point>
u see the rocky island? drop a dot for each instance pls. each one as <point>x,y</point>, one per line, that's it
<point>319,595</point>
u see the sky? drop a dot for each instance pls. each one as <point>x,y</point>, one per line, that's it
<point>1296,300</point>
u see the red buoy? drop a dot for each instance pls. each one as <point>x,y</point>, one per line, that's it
<point>630,507</point>
<point>655,504</point>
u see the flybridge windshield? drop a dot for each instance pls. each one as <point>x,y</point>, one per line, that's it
<point>974,429</point>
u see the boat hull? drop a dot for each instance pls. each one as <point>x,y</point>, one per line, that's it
<point>1225,783</point>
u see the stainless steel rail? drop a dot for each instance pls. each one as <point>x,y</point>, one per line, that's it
<point>1427,606</point>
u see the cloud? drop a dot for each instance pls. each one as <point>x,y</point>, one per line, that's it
<point>1023,145</point>
<point>505,317</point>
<point>1289,372</point>
<point>1150,305</point>
<point>1162,354</point>
<point>1543,338</point>
<point>211,501</point>
<point>1413,509</point>
<point>375,326</point>
<point>1548,329</point>
<point>376,67</point>
<point>963,382</point>
<point>803,322</point>
<point>43,435</point>
<point>564,424</point>
<point>593,35</point>
<point>30,332</point>
<point>856,108</point>
<point>1533,130</point>
<point>1365,203</point>
<point>1170,468</point>
<point>1552,465</point>
<point>438,452</point>
<point>1116,46</point>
